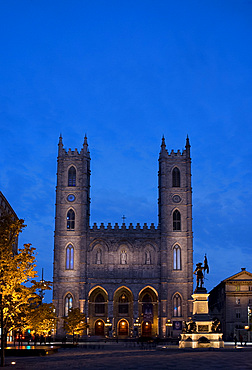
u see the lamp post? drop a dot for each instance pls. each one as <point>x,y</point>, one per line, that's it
<point>108,326</point>
<point>249,321</point>
<point>168,326</point>
<point>137,324</point>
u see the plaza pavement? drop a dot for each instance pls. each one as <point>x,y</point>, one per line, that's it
<point>121,356</point>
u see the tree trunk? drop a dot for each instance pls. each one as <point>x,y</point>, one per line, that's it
<point>2,336</point>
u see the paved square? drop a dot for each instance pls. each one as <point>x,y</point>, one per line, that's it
<point>122,357</point>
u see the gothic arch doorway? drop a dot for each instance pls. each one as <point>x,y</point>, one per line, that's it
<point>99,328</point>
<point>146,329</point>
<point>123,328</point>
<point>148,309</point>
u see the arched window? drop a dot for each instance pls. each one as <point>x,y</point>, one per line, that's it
<point>176,220</point>
<point>147,307</point>
<point>177,258</point>
<point>70,219</point>
<point>147,298</point>
<point>68,303</point>
<point>123,304</point>
<point>69,257</point>
<point>177,309</point>
<point>176,177</point>
<point>72,176</point>
<point>99,304</point>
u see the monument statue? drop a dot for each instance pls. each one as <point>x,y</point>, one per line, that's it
<point>201,331</point>
<point>216,326</point>
<point>199,272</point>
<point>190,327</point>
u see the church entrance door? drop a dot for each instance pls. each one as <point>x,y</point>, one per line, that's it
<point>146,329</point>
<point>123,327</point>
<point>99,328</point>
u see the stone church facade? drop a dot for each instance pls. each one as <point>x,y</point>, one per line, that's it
<point>128,280</point>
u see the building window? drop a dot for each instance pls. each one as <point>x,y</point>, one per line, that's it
<point>69,257</point>
<point>237,314</point>
<point>99,304</point>
<point>250,288</point>
<point>72,176</point>
<point>147,307</point>
<point>237,288</point>
<point>176,220</point>
<point>123,304</point>
<point>70,220</point>
<point>177,311</point>
<point>176,258</point>
<point>68,303</point>
<point>176,177</point>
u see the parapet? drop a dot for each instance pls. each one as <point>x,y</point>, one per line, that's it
<point>73,153</point>
<point>177,154</point>
<point>137,227</point>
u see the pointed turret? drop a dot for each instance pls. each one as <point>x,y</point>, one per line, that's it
<point>188,146</point>
<point>163,151</point>
<point>60,146</point>
<point>85,147</point>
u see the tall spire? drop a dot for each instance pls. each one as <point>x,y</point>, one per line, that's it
<point>188,146</point>
<point>60,146</point>
<point>163,142</point>
<point>163,151</point>
<point>85,146</point>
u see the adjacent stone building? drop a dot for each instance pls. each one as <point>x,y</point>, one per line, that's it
<point>5,207</point>
<point>231,302</point>
<point>128,280</point>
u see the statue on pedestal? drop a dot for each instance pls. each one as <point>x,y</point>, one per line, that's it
<point>216,326</point>
<point>199,272</point>
<point>190,327</point>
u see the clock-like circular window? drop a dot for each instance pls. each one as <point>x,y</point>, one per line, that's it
<point>71,198</point>
<point>176,198</point>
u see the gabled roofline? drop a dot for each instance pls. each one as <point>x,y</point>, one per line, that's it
<point>243,271</point>
<point>10,209</point>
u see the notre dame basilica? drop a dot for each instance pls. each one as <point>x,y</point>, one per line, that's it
<point>128,280</point>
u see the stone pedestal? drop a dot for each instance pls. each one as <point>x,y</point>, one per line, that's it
<point>200,331</point>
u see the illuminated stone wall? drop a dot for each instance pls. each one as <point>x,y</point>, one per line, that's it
<point>138,260</point>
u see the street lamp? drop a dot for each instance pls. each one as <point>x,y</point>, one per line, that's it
<point>168,326</point>
<point>108,326</point>
<point>249,321</point>
<point>137,324</point>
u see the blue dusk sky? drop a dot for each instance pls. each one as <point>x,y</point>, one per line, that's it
<point>126,73</point>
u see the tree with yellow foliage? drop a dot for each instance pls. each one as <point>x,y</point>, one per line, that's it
<point>17,273</point>
<point>74,323</point>
<point>42,319</point>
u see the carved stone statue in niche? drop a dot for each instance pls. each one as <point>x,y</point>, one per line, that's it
<point>123,259</point>
<point>98,260</point>
<point>147,257</point>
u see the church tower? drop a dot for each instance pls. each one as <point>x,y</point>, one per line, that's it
<point>175,222</point>
<point>71,227</point>
<point>129,280</point>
